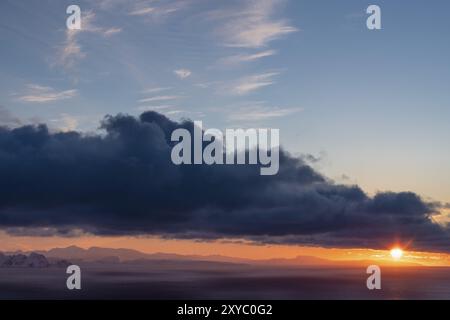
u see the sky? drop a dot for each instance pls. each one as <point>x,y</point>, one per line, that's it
<point>366,107</point>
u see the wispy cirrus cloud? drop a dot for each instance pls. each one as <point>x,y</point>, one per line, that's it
<point>159,107</point>
<point>41,94</point>
<point>142,11</point>
<point>183,73</point>
<point>159,98</point>
<point>239,58</point>
<point>260,112</point>
<point>155,9</point>
<point>111,31</point>
<point>248,84</point>
<point>207,84</point>
<point>155,89</point>
<point>71,51</point>
<point>253,26</point>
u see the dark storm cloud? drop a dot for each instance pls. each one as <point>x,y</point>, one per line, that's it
<point>124,183</point>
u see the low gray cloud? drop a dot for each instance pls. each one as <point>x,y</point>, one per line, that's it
<point>7,118</point>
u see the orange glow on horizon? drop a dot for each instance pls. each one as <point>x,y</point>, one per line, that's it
<point>236,248</point>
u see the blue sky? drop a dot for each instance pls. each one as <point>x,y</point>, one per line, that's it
<point>373,105</point>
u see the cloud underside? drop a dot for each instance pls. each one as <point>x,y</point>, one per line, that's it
<point>124,183</point>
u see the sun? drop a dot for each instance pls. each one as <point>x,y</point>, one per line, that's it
<point>397,253</point>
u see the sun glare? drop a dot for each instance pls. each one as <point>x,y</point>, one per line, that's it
<point>396,253</point>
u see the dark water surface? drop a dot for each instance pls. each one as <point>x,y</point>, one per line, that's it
<point>175,280</point>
